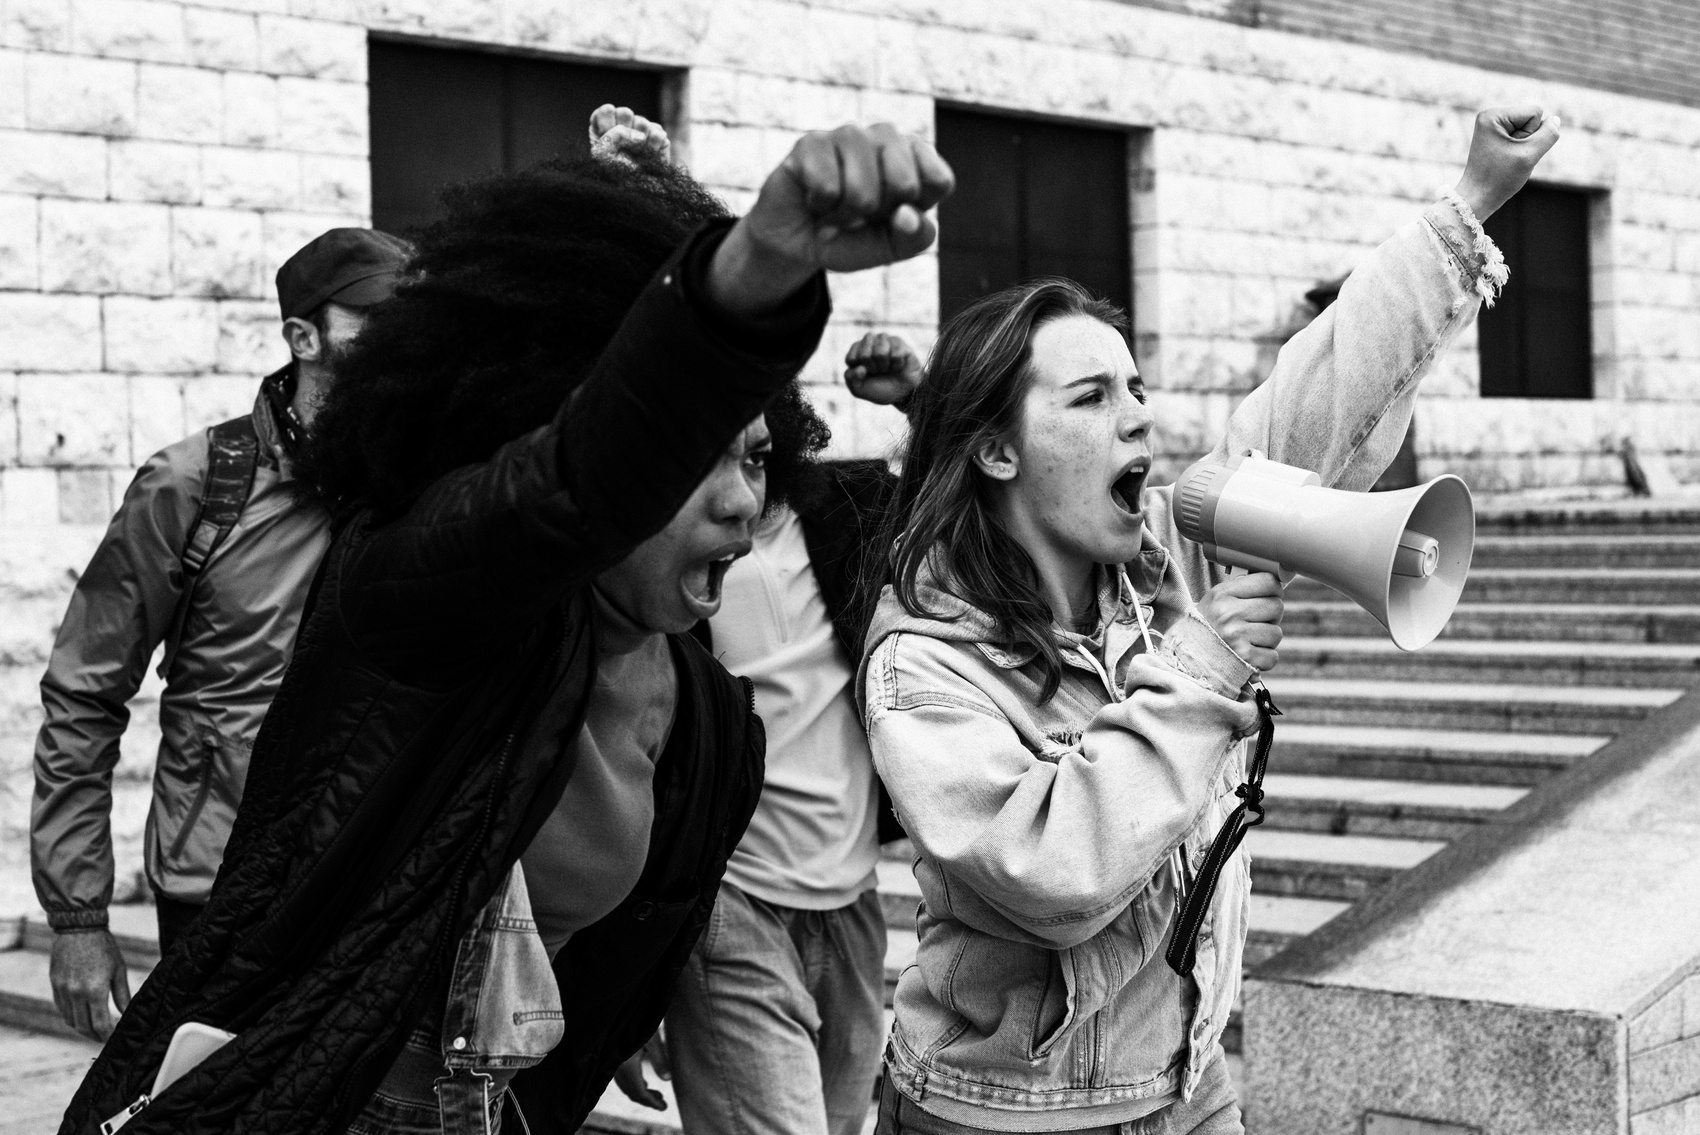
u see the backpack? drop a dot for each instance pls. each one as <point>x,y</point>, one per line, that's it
<point>232,458</point>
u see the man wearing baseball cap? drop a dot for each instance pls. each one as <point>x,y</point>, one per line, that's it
<point>210,553</point>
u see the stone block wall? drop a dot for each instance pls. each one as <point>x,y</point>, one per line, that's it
<point>159,158</point>
<point>1664,1062</point>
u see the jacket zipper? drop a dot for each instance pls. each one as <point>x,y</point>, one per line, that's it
<point>208,760</point>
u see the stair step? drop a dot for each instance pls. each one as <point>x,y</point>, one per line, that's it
<point>1406,809</point>
<point>1610,586</point>
<point>1443,755</point>
<point>1452,660</point>
<point>1564,622</point>
<point>1278,920</point>
<point>1605,518</point>
<point>1459,705</point>
<point>1657,550</point>
<point>1344,868</point>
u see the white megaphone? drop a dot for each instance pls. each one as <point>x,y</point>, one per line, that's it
<point>1402,556</point>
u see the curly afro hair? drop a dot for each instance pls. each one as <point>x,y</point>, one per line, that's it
<point>501,313</point>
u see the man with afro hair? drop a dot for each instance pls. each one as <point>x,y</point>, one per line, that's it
<point>488,813</point>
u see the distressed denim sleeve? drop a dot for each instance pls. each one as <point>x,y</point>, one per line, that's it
<point>1044,848</point>
<point>1343,389</point>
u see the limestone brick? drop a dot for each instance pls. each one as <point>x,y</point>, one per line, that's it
<point>68,420</point>
<point>151,30</point>
<point>672,32</point>
<point>19,264</point>
<point>249,337</point>
<point>156,415</point>
<point>252,110</point>
<point>336,184</point>
<point>8,419</point>
<point>36,25</point>
<point>105,246</point>
<point>14,91</point>
<point>737,156</point>
<point>220,39</point>
<point>740,99</point>
<point>322,116</point>
<point>594,29</point>
<point>179,104</point>
<point>85,496</point>
<point>475,19</point>
<point>251,179</point>
<point>211,399</point>
<point>339,11</point>
<point>312,48</point>
<point>217,253</point>
<point>44,332</point>
<point>28,497</point>
<point>912,291</point>
<point>82,96</point>
<point>858,296</point>
<point>59,165</point>
<point>161,336</point>
<point>168,172</point>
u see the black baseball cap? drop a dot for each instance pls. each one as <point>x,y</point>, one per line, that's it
<point>353,267</point>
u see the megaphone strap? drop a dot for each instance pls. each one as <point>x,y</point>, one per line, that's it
<point>1183,945</point>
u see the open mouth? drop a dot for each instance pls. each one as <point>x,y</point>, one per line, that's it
<point>701,582</point>
<point>1127,489</point>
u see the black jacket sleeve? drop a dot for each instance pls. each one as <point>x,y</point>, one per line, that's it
<point>487,548</point>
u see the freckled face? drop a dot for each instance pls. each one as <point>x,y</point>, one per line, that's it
<point>673,579</point>
<point>1083,446</point>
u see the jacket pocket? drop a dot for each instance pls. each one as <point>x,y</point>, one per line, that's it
<point>1054,1013</point>
<point>209,746</point>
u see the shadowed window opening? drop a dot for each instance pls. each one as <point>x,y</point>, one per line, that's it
<point>1032,199</point>
<point>1537,341</point>
<point>440,115</point>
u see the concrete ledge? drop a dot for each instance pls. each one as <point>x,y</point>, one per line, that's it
<point>1533,976</point>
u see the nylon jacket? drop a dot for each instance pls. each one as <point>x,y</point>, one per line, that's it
<point>423,733</point>
<point>237,634</point>
<point>1054,841</point>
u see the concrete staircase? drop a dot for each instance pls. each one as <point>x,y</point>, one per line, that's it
<point>1578,621</point>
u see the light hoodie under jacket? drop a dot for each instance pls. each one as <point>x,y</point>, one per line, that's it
<point>1053,840</point>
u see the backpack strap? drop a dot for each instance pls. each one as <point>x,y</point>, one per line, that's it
<point>233,456</point>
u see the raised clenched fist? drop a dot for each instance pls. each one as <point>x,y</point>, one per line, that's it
<point>1507,145</point>
<point>882,368</point>
<point>852,198</point>
<point>618,133</point>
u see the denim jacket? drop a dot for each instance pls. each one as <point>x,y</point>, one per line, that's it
<point>502,1013</point>
<point>1055,841</point>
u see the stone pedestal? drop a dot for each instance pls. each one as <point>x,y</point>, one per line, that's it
<point>1541,977</point>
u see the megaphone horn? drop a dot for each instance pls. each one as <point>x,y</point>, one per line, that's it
<point>1403,556</point>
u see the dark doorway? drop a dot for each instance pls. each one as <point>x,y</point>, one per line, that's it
<point>1537,341</point>
<point>441,115</point>
<point>1032,199</point>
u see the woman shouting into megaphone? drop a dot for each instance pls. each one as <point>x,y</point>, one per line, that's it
<point>1058,686</point>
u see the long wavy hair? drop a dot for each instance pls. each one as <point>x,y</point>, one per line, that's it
<point>942,518</point>
<point>502,312</point>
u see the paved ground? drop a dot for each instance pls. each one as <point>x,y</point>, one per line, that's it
<point>38,1073</point>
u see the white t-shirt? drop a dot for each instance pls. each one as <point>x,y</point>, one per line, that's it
<point>814,840</point>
